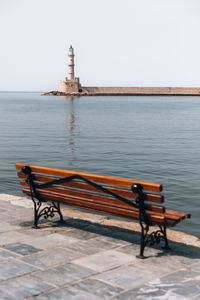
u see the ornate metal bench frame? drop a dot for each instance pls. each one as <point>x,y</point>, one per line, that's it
<point>48,211</point>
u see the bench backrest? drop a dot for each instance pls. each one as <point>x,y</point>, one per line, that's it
<point>80,193</point>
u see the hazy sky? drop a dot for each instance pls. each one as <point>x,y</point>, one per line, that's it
<point>116,42</point>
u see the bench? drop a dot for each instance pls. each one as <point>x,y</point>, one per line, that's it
<point>127,198</point>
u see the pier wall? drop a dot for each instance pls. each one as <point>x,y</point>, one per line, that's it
<point>142,90</point>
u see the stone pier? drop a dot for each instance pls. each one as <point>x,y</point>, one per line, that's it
<point>91,256</point>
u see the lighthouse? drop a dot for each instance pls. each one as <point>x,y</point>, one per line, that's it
<point>70,85</point>
<point>71,63</point>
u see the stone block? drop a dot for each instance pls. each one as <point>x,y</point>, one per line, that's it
<point>21,288</point>
<point>98,288</point>
<point>91,246</point>
<point>48,258</point>
<point>126,277</point>
<point>14,268</point>
<point>67,294</point>
<point>80,234</point>
<point>130,237</point>
<point>134,249</point>
<point>64,274</point>
<point>53,240</point>
<point>99,229</point>
<point>157,265</point>
<point>6,255</point>
<point>105,260</point>
<point>175,278</point>
<point>117,242</point>
<point>5,227</point>
<point>13,237</point>
<point>22,249</point>
<point>145,292</point>
<point>195,267</point>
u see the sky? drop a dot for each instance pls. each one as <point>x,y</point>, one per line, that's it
<point>116,43</point>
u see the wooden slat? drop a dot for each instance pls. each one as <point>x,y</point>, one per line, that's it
<point>81,185</point>
<point>95,197</point>
<point>159,211</point>
<point>182,215</point>
<point>89,205</point>
<point>97,178</point>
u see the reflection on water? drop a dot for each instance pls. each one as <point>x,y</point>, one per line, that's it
<point>71,126</point>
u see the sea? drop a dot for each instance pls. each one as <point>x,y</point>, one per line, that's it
<point>149,138</point>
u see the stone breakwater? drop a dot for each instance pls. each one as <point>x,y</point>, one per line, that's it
<point>91,256</point>
<point>128,91</point>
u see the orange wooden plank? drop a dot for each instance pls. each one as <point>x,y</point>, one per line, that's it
<point>95,197</point>
<point>81,185</point>
<point>97,178</point>
<point>89,205</point>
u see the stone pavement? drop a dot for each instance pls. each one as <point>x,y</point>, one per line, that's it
<point>89,257</point>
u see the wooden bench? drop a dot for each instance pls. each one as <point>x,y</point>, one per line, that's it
<point>132,199</point>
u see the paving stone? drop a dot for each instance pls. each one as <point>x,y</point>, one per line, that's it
<point>22,249</point>
<point>6,254</point>
<point>51,257</point>
<point>99,229</point>
<point>115,241</point>
<point>12,237</point>
<point>67,294</point>
<point>5,227</point>
<point>126,277</point>
<point>131,237</point>
<point>63,274</point>
<point>75,223</point>
<point>181,260</point>
<point>23,287</point>
<point>134,249</point>
<point>176,277</point>
<point>91,246</point>
<point>187,289</point>
<point>105,260</point>
<point>80,234</point>
<point>195,267</point>
<point>40,232</point>
<point>14,268</point>
<point>98,288</point>
<point>6,218</point>
<point>53,240</point>
<point>158,265</point>
<point>145,292</point>
<point>184,282</point>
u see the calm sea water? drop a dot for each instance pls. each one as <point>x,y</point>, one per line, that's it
<point>145,138</point>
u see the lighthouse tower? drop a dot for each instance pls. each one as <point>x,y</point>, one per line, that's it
<point>70,85</point>
<point>71,63</point>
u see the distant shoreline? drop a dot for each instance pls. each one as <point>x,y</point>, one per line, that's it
<point>130,91</point>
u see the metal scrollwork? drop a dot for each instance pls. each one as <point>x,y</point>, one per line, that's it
<point>47,211</point>
<point>158,236</point>
<point>154,237</point>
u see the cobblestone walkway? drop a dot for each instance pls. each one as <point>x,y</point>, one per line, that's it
<point>84,259</point>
